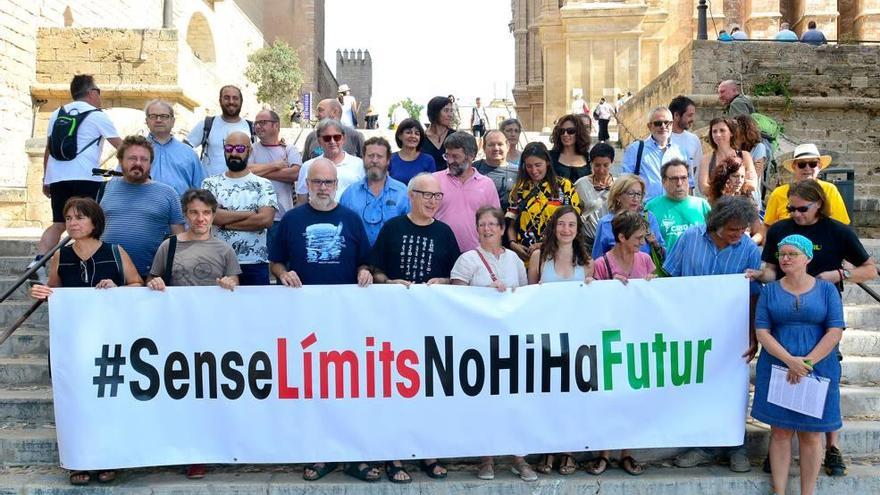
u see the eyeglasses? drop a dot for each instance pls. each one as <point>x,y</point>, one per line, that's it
<point>799,209</point>
<point>452,159</point>
<point>803,165</point>
<point>265,122</point>
<point>790,256</point>
<point>571,131</point>
<point>238,148</point>
<point>426,195</point>
<point>483,225</point>
<point>160,116</point>
<point>683,178</point>
<point>327,138</point>
<point>661,123</point>
<point>322,182</point>
<point>633,195</point>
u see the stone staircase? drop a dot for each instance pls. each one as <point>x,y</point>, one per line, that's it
<point>28,451</point>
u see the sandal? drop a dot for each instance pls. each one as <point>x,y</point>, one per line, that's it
<point>567,465</point>
<point>196,471</point>
<point>429,468</point>
<point>524,471</point>
<point>486,471</point>
<point>546,464</point>
<point>392,471</point>
<point>365,473</point>
<point>79,478</point>
<point>632,467</point>
<point>106,476</point>
<point>597,465</point>
<point>320,472</point>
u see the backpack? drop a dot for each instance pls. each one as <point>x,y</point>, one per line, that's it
<point>62,139</point>
<point>769,128</point>
<point>209,122</point>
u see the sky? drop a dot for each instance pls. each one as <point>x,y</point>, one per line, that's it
<point>426,48</point>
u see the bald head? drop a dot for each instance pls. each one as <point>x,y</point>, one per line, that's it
<point>322,168</point>
<point>329,109</point>
<point>237,149</point>
<point>424,181</point>
<point>727,91</point>
<point>423,204</point>
<point>238,137</point>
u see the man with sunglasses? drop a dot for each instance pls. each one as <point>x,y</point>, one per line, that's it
<point>645,156</point>
<point>246,209</point>
<point>377,198</point>
<point>806,162</point>
<point>354,140</point>
<point>349,168</point>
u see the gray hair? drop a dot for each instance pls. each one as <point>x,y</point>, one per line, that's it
<point>738,209</point>
<point>157,101</point>
<point>656,109</point>
<point>412,182</point>
<point>326,124</point>
<point>460,140</point>
<point>511,121</point>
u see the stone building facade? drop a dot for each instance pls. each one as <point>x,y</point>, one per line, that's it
<point>355,68</point>
<point>607,47</point>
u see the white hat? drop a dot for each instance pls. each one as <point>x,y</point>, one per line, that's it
<point>804,152</point>
<point>343,88</point>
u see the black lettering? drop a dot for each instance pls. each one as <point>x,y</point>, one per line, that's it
<point>232,374</point>
<point>586,351</point>
<point>530,364</point>
<point>549,361</point>
<point>144,368</point>
<point>265,373</point>
<point>497,363</point>
<point>475,356</point>
<point>171,375</point>
<point>433,361</point>
<point>200,359</point>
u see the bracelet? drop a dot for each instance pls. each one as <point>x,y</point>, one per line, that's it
<point>809,363</point>
<point>840,274</point>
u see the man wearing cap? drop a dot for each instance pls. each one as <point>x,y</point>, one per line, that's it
<point>349,106</point>
<point>806,162</point>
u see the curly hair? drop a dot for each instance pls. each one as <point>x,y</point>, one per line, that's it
<point>550,244</point>
<point>582,139</point>
<point>721,176</point>
<point>620,186</point>
<point>747,132</point>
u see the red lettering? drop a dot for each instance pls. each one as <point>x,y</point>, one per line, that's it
<point>339,360</point>
<point>386,357</point>
<point>371,369</point>
<point>284,391</point>
<point>408,372</point>
<point>307,364</point>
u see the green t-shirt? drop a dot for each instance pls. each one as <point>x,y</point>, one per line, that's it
<point>675,217</point>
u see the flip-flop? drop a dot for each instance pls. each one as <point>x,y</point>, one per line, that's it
<point>546,464</point>
<point>567,465</point>
<point>392,471</point>
<point>106,476</point>
<point>632,467</point>
<point>82,478</point>
<point>594,467</point>
<point>366,473</point>
<point>320,472</point>
<point>429,470</point>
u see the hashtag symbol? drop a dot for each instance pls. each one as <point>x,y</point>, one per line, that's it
<point>114,362</point>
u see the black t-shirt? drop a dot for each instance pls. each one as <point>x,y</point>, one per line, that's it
<point>413,252</point>
<point>570,173</point>
<point>833,242</point>
<point>429,148</point>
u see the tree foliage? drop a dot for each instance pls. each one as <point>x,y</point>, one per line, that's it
<point>412,108</point>
<point>276,72</point>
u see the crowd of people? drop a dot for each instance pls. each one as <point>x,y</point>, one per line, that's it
<point>254,211</point>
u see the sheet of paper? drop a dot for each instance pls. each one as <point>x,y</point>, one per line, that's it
<point>806,397</point>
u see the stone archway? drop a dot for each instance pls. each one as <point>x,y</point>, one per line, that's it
<point>200,39</point>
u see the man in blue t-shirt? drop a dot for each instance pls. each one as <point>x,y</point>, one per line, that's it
<point>140,212</point>
<point>322,242</point>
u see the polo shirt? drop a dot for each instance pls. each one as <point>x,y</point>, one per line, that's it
<point>460,203</point>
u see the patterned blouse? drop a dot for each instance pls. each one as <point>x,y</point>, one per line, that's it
<point>531,208</point>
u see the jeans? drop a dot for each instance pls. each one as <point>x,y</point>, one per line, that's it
<point>254,274</point>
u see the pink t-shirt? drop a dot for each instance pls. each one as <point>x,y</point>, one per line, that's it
<point>461,200</point>
<point>643,266</point>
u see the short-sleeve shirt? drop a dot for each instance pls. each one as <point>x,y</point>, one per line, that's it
<point>833,242</point>
<point>177,165</point>
<point>696,254</point>
<point>653,157</point>
<point>403,170</point>
<point>138,217</point>
<point>196,263</point>
<point>215,160</point>
<point>261,154</point>
<point>642,266</point>
<point>349,171</point>
<point>461,200</point>
<point>413,252</point>
<point>675,217</point>
<point>508,268</point>
<point>248,193</point>
<point>375,211</point>
<point>504,176</point>
<point>532,206</point>
<point>605,235</point>
<point>322,247</point>
<point>96,125</point>
<point>778,201</point>
<point>690,145</point>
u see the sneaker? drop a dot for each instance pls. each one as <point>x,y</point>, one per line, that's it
<point>766,466</point>
<point>694,457</point>
<point>739,461</point>
<point>834,465</point>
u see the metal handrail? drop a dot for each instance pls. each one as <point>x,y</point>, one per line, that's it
<point>871,292</point>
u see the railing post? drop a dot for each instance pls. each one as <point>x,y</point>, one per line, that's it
<point>702,26</point>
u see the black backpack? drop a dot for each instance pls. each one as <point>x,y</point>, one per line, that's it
<point>209,122</point>
<point>62,139</point>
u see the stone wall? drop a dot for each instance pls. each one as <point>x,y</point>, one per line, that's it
<point>835,99</point>
<point>355,68</point>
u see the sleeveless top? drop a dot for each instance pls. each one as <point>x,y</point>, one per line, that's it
<point>739,155</point>
<point>75,272</point>
<point>548,273</point>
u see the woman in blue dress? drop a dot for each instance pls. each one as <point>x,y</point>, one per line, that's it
<point>799,322</point>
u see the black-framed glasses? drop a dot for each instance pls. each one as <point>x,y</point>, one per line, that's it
<point>322,182</point>
<point>799,209</point>
<point>803,165</point>
<point>659,123</point>
<point>238,148</point>
<point>265,122</point>
<point>160,116</point>
<point>426,195</point>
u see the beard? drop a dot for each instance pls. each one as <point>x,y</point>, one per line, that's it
<point>230,112</point>
<point>376,174</point>
<point>322,204</point>
<point>236,163</point>
<point>457,169</point>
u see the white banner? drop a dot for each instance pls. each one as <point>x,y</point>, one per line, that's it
<point>341,373</point>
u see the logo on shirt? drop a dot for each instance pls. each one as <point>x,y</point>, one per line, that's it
<point>324,243</point>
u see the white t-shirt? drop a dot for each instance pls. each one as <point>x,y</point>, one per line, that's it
<point>578,106</point>
<point>690,144</point>
<point>248,193</point>
<point>349,171</point>
<point>605,111</point>
<point>95,125</point>
<point>508,268</point>
<point>283,190</point>
<point>347,105</point>
<point>215,159</point>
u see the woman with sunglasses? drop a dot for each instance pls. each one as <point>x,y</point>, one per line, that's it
<point>87,262</point>
<point>571,148</point>
<point>806,162</point>
<point>729,179</point>
<point>533,199</point>
<point>722,139</point>
<point>627,194</point>
<point>410,161</point>
<point>799,323</point>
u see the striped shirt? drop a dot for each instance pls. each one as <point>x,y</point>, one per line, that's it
<point>695,254</point>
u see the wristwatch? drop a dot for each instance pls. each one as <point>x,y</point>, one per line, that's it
<point>846,274</point>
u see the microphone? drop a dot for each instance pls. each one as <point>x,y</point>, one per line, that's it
<point>106,173</point>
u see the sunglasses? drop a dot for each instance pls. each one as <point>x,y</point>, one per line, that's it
<point>661,123</point>
<point>331,137</point>
<point>238,148</point>
<point>571,131</point>
<point>803,165</point>
<point>799,209</point>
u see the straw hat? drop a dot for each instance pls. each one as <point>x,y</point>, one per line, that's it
<point>344,88</point>
<point>805,152</point>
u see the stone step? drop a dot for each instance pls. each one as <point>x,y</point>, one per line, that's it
<point>10,311</point>
<point>18,246</point>
<point>14,265</point>
<point>24,371</point>
<point>853,294</point>
<point>860,370</point>
<point>30,404</point>
<point>27,341</point>
<point>856,342</point>
<point>863,316</point>
<point>22,445</point>
<point>286,479</point>
<point>21,292</point>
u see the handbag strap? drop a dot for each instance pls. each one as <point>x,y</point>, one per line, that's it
<point>608,266</point>
<point>169,259</point>
<point>486,264</point>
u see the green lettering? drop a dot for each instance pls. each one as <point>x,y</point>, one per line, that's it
<point>609,357</point>
<point>703,346</point>
<point>679,379</point>
<point>643,381</point>
<point>659,348</point>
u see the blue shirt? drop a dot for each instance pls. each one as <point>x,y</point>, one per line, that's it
<point>404,171</point>
<point>322,247</point>
<point>786,35</point>
<point>653,157</point>
<point>375,211</point>
<point>813,37</point>
<point>695,254</point>
<point>138,217</point>
<point>605,236</point>
<point>177,165</point>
